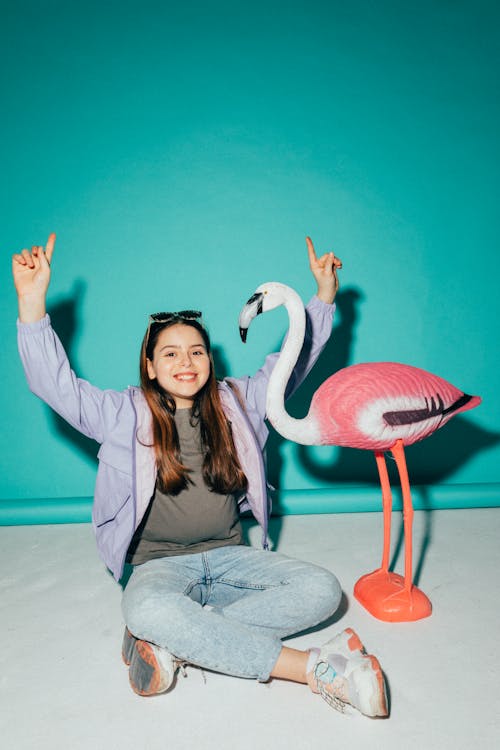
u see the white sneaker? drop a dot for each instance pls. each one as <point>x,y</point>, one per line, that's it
<point>344,674</point>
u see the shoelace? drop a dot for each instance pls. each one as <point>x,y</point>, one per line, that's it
<point>321,670</point>
<point>332,700</point>
<point>181,666</point>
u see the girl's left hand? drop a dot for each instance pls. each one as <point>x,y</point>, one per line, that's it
<point>324,270</point>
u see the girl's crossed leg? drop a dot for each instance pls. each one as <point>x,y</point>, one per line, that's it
<point>228,609</point>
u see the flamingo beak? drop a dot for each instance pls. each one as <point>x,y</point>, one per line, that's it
<point>252,308</point>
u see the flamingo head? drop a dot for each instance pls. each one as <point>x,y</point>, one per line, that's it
<point>266,297</point>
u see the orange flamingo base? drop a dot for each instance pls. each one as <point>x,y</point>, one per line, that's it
<point>386,597</point>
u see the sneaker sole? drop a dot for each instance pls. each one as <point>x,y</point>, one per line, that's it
<point>383,709</point>
<point>146,675</point>
<point>378,704</point>
<point>128,646</point>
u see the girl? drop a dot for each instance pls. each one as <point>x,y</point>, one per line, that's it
<point>180,458</point>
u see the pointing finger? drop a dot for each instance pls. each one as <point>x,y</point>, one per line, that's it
<point>311,252</point>
<point>49,249</point>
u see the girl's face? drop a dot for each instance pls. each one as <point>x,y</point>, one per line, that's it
<point>180,363</point>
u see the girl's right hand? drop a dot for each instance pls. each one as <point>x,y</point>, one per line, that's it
<point>31,272</point>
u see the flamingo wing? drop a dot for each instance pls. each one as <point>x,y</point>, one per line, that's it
<point>432,409</point>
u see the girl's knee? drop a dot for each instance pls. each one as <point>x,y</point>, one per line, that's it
<point>325,591</point>
<point>146,614</point>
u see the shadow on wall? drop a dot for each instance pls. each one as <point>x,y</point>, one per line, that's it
<point>431,461</point>
<point>221,363</point>
<point>64,315</point>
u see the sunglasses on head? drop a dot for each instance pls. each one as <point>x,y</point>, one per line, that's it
<point>168,317</point>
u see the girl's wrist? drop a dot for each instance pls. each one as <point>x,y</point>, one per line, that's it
<point>31,308</point>
<point>326,295</point>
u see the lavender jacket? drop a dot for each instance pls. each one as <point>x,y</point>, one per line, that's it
<point>121,422</point>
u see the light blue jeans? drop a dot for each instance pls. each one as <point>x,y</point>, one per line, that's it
<point>255,599</point>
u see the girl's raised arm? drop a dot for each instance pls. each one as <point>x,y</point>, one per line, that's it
<point>31,272</point>
<point>90,410</point>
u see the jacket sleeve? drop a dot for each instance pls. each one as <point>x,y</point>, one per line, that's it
<point>90,410</point>
<point>319,319</point>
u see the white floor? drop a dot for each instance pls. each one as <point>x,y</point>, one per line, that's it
<point>63,685</point>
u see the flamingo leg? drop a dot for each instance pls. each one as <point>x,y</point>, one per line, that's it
<point>387,507</point>
<point>390,596</point>
<point>399,454</point>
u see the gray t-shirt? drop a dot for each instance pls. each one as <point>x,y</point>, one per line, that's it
<point>195,520</point>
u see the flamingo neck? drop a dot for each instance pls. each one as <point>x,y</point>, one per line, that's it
<point>304,431</point>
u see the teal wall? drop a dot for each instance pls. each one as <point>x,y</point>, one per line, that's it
<point>182,151</point>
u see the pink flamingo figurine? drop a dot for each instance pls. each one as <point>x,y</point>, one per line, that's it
<point>378,406</point>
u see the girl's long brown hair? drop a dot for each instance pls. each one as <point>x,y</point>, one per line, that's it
<point>221,468</point>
